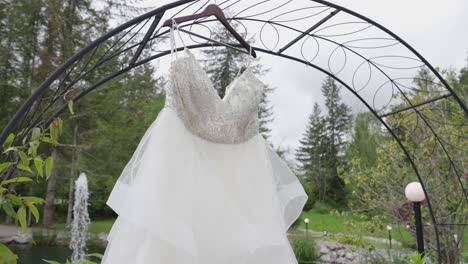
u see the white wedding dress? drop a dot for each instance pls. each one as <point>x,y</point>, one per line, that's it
<point>203,186</point>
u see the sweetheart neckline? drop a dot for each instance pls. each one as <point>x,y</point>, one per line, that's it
<point>228,89</point>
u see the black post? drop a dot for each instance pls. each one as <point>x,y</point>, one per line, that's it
<point>419,227</point>
<point>390,238</point>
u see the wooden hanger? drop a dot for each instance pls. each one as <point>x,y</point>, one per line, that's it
<point>213,10</point>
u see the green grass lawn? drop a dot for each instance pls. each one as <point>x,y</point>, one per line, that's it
<point>337,224</point>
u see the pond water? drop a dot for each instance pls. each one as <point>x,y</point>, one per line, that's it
<point>30,254</point>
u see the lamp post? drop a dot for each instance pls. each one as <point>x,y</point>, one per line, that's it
<point>389,229</point>
<point>414,192</point>
<point>306,221</point>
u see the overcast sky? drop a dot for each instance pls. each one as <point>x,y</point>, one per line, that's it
<point>438,30</point>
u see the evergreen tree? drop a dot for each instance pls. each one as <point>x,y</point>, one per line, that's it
<point>364,142</point>
<point>321,149</point>
<point>128,106</point>
<point>19,33</point>
<point>311,143</point>
<point>310,154</point>
<point>224,64</point>
<point>337,124</point>
<point>461,87</point>
<point>38,36</point>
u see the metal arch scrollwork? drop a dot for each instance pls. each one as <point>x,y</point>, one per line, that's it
<point>317,49</point>
<point>277,37</point>
<point>374,64</point>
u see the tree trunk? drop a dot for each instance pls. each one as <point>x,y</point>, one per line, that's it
<point>48,218</point>
<point>72,176</point>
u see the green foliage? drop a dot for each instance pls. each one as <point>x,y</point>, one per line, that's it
<point>351,240</point>
<point>363,223</point>
<point>19,171</point>
<point>20,165</point>
<point>417,258</point>
<point>70,107</point>
<point>6,256</point>
<point>363,145</point>
<point>40,35</point>
<point>304,249</point>
<point>322,208</point>
<point>112,138</point>
<point>109,122</point>
<point>378,184</point>
<point>353,224</point>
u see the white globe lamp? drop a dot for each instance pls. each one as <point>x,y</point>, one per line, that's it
<point>414,192</point>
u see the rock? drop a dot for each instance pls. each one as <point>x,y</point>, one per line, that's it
<point>323,249</point>
<point>333,246</point>
<point>6,240</point>
<point>334,252</point>
<point>19,239</point>
<point>341,260</point>
<point>341,252</point>
<point>22,239</point>
<point>328,258</point>
<point>350,256</point>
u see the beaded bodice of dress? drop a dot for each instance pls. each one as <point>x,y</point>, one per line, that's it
<point>231,119</point>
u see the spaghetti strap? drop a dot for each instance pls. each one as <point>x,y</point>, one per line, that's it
<point>249,62</point>
<point>172,37</point>
<point>250,57</point>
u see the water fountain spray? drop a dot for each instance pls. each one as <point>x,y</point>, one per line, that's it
<point>79,229</point>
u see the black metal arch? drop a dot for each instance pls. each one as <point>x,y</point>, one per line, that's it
<point>342,44</point>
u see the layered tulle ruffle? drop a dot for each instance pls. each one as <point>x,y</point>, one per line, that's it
<point>185,200</point>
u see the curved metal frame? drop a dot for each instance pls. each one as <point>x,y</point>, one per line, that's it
<point>76,67</point>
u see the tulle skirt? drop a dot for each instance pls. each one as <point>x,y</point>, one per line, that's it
<point>184,200</point>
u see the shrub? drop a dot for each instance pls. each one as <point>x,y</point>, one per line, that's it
<point>417,258</point>
<point>304,249</point>
<point>322,208</point>
<point>351,240</point>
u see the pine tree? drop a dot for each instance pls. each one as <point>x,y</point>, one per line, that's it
<point>19,34</point>
<point>224,64</point>
<point>310,154</point>
<point>337,125</point>
<point>311,142</point>
<point>364,142</point>
<point>321,149</point>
